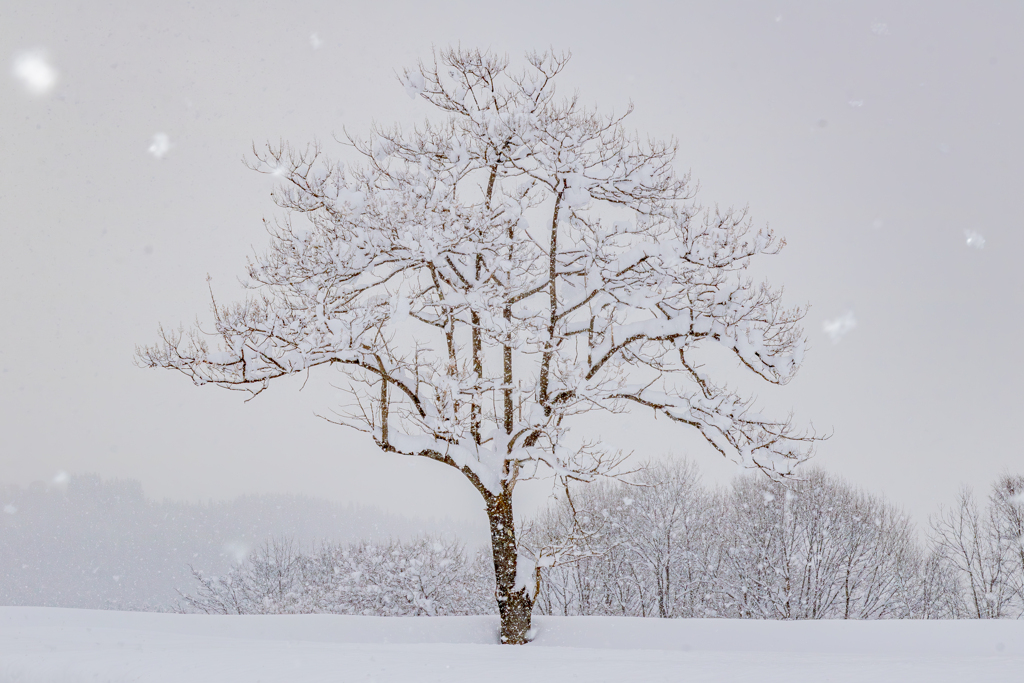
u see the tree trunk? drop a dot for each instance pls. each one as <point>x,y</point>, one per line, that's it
<point>514,606</point>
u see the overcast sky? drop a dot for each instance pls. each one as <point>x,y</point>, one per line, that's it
<point>883,140</point>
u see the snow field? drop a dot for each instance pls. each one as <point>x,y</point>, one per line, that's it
<point>50,645</point>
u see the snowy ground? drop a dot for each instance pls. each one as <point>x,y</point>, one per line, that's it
<point>47,644</point>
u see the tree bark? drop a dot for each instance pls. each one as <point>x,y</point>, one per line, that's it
<point>514,606</point>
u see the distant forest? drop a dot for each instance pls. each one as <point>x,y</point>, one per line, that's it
<point>98,544</point>
<point>666,546</point>
<point>662,546</point>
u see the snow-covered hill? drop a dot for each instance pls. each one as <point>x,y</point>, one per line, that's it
<point>63,645</point>
<point>94,543</point>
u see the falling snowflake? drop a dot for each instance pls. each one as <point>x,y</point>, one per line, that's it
<point>880,28</point>
<point>34,70</point>
<point>161,145</point>
<point>837,328</point>
<point>877,223</point>
<point>315,41</point>
<point>974,239</point>
<point>856,103</point>
<point>10,509</point>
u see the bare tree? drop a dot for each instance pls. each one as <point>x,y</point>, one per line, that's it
<point>938,591</point>
<point>651,551</point>
<point>815,549</point>
<point>263,584</point>
<point>1007,504</point>
<point>489,276</point>
<point>983,550</point>
<point>667,520</point>
<point>969,542</point>
<point>594,571</point>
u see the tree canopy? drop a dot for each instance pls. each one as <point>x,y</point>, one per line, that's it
<point>486,277</point>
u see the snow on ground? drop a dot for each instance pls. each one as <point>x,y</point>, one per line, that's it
<point>40,644</point>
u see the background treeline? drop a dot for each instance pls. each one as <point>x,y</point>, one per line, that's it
<point>662,546</point>
<point>423,577</point>
<point>665,546</point>
<point>811,549</point>
<point>85,542</point>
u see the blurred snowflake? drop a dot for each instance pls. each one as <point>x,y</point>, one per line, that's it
<point>237,550</point>
<point>10,509</point>
<point>880,28</point>
<point>837,328</point>
<point>35,72</point>
<point>974,239</point>
<point>315,41</point>
<point>61,480</point>
<point>856,103</point>
<point>161,145</point>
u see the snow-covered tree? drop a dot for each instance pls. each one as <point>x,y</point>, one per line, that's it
<point>425,576</point>
<point>486,278</point>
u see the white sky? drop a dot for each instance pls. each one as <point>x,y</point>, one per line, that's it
<point>876,138</point>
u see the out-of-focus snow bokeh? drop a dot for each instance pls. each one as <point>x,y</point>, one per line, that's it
<point>161,145</point>
<point>974,239</point>
<point>35,72</point>
<point>839,327</point>
<point>870,135</point>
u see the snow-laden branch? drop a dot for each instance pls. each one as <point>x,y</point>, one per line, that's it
<point>485,278</point>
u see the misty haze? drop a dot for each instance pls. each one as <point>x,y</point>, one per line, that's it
<point>552,341</point>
